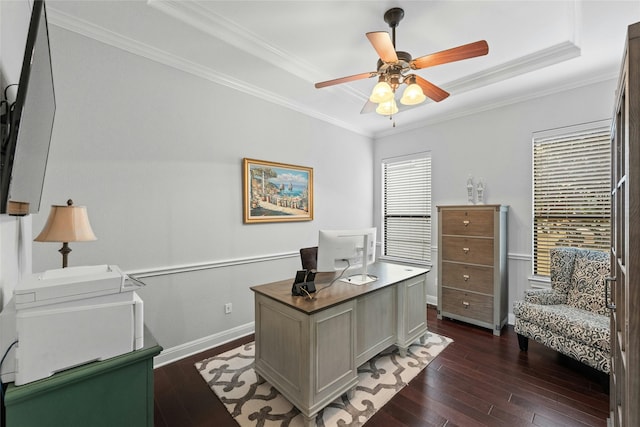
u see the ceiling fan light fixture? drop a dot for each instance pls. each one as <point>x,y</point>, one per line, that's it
<point>381,92</point>
<point>392,65</point>
<point>387,108</point>
<point>412,95</point>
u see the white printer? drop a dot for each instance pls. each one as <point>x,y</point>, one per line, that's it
<point>63,318</point>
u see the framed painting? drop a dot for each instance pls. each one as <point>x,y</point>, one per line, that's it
<point>276,192</point>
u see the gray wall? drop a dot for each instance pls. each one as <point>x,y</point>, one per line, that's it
<point>495,145</point>
<point>157,159</point>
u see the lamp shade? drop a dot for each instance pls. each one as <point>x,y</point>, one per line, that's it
<point>412,95</point>
<point>67,224</point>
<point>381,92</point>
<point>387,108</point>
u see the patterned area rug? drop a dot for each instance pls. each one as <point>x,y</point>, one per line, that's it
<point>256,403</point>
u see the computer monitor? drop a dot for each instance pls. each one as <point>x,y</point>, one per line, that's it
<point>339,249</point>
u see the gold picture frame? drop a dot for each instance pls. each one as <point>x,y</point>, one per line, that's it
<point>276,192</point>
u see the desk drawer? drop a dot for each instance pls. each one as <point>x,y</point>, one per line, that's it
<point>468,304</point>
<point>470,222</point>
<point>468,277</point>
<point>467,250</point>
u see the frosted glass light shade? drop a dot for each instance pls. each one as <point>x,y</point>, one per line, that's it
<point>412,95</point>
<point>381,93</point>
<point>387,108</point>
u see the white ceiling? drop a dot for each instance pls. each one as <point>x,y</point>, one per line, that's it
<point>277,50</point>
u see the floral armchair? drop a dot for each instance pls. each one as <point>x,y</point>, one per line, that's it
<point>572,316</point>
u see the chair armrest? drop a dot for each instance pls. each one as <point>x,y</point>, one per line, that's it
<point>544,297</point>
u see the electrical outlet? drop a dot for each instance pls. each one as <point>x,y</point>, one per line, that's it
<point>227,308</point>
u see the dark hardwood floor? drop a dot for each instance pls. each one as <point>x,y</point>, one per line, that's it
<point>478,380</point>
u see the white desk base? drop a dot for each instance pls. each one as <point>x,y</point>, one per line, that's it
<point>312,358</point>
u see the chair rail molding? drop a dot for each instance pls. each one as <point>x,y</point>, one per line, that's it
<point>186,268</point>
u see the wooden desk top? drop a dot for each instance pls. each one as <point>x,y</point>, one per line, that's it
<point>327,296</point>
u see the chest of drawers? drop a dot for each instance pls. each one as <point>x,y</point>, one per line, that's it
<point>472,264</point>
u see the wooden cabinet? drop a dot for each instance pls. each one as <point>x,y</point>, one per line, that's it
<point>624,295</point>
<point>113,392</point>
<point>472,266</point>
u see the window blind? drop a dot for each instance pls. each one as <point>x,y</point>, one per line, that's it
<point>407,208</point>
<point>571,193</point>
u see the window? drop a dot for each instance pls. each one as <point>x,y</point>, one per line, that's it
<point>406,208</point>
<point>571,191</point>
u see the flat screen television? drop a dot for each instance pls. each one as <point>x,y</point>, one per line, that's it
<point>25,147</point>
<point>347,250</point>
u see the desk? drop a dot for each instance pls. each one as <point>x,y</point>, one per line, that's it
<point>113,392</point>
<point>310,350</point>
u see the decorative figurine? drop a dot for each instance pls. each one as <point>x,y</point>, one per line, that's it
<point>480,191</point>
<point>470,190</point>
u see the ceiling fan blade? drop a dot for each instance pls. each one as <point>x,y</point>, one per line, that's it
<point>466,51</point>
<point>431,90</point>
<point>368,107</point>
<point>346,79</point>
<point>381,42</point>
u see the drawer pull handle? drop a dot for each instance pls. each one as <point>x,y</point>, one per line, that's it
<point>465,250</point>
<point>465,277</point>
<point>465,304</point>
<point>466,222</point>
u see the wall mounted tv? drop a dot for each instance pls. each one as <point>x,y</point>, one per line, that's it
<point>25,146</point>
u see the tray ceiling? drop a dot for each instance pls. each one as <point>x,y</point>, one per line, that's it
<point>277,50</point>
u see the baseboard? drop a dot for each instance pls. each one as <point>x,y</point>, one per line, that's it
<point>174,354</point>
<point>432,300</point>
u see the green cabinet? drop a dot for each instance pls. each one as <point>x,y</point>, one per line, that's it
<point>113,392</point>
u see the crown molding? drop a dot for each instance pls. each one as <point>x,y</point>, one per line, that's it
<point>198,16</point>
<point>502,102</point>
<point>214,24</point>
<point>152,53</point>
<point>552,55</point>
<point>195,14</point>
<point>203,18</point>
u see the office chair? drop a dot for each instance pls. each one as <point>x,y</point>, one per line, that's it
<point>309,258</point>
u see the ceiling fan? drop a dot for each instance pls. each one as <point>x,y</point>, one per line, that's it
<point>394,69</point>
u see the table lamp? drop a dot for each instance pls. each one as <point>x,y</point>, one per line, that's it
<point>66,224</point>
